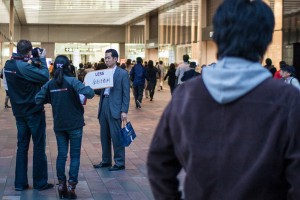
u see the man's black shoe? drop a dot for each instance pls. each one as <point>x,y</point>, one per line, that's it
<point>22,188</point>
<point>46,187</point>
<point>116,168</point>
<point>101,165</point>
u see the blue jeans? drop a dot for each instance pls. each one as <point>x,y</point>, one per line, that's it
<point>31,126</point>
<point>63,138</point>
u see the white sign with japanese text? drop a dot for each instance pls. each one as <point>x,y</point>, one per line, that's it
<point>99,79</point>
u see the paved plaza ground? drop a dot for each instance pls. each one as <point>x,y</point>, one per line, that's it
<point>101,184</point>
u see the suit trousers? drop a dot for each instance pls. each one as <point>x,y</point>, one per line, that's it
<point>110,128</point>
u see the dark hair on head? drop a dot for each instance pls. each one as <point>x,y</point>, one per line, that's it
<point>172,67</point>
<point>61,67</point>
<point>123,66</point>
<point>128,62</point>
<point>161,62</point>
<point>150,64</point>
<point>24,47</point>
<point>102,60</point>
<point>80,65</point>
<point>268,61</point>
<point>282,63</point>
<point>243,28</point>
<point>139,60</point>
<point>185,58</point>
<point>97,66</point>
<point>113,52</point>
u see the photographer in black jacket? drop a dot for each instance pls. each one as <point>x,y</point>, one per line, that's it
<point>24,79</point>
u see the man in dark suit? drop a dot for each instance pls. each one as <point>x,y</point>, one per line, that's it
<point>72,68</point>
<point>113,109</point>
<point>190,73</point>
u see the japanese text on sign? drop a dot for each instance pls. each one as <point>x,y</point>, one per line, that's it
<point>99,79</point>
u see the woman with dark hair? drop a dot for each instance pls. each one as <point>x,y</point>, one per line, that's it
<point>66,93</point>
<point>151,71</point>
<point>172,77</point>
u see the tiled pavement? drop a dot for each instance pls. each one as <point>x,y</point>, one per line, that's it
<point>93,183</point>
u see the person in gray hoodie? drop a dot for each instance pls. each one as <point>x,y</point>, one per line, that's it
<point>231,132</point>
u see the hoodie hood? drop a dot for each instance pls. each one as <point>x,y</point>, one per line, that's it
<point>231,78</point>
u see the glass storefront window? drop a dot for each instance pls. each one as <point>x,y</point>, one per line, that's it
<point>135,44</point>
<point>84,52</point>
<point>178,30</point>
<point>135,50</point>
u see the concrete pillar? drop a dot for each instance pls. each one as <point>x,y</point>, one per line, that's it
<point>121,51</point>
<point>147,36</point>
<point>202,13</point>
<point>11,26</point>
<point>275,49</point>
<point>50,49</point>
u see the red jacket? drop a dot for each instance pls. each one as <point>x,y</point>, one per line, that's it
<point>245,150</point>
<point>277,75</point>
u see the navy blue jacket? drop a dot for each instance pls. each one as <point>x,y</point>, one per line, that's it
<point>66,106</point>
<point>138,74</point>
<point>24,80</point>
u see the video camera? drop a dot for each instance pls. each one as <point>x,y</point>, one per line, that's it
<point>36,52</point>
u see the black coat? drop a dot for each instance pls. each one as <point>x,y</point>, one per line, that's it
<point>172,77</point>
<point>152,74</point>
<point>72,69</point>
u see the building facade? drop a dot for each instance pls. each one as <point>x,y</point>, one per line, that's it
<point>166,33</point>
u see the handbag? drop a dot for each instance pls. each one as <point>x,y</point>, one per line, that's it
<point>127,134</point>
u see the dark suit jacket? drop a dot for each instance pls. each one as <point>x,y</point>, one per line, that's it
<point>119,95</point>
<point>189,74</point>
<point>248,149</point>
<point>72,69</point>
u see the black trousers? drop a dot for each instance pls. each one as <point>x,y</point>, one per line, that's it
<point>172,87</point>
<point>151,88</point>
<point>138,92</point>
